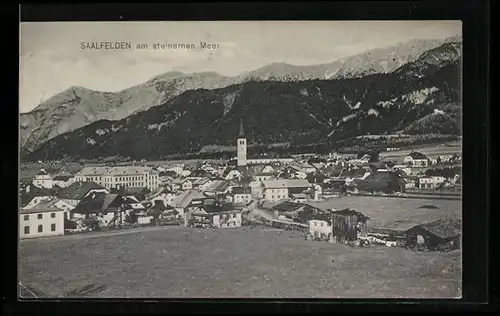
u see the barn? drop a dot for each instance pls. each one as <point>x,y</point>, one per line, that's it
<point>441,235</point>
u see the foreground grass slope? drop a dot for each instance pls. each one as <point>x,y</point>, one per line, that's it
<point>179,262</point>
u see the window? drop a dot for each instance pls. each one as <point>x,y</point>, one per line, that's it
<point>26,230</point>
<point>52,215</point>
<point>40,216</point>
<point>26,217</point>
<point>322,224</point>
<point>40,228</point>
<point>53,227</point>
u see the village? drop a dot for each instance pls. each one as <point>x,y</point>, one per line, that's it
<point>284,193</point>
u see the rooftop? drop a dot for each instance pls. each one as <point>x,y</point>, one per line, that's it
<point>417,155</point>
<point>286,183</point>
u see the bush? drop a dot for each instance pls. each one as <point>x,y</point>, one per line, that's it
<point>92,223</point>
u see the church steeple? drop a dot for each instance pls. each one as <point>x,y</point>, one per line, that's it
<point>242,133</point>
<point>241,147</point>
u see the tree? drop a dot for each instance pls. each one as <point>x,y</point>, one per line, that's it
<point>91,222</point>
<point>157,210</point>
<point>131,218</point>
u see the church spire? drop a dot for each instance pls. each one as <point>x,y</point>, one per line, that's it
<point>242,133</point>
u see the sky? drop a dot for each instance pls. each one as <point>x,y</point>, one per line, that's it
<point>52,60</point>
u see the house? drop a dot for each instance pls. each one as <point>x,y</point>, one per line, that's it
<point>166,196</point>
<point>50,203</point>
<point>138,192</point>
<point>444,174</point>
<point>416,159</point>
<point>331,172</point>
<point>207,212</point>
<point>120,176</point>
<point>304,167</point>
<point>441,235</point>
<point>31,192</point>
<point>405,168</point>
<point>63,180</point>
<point>316,177</point>
<point>263,176</point>
<point>106,207</point>
<point>256,189</point>
<point>43,180</point>
<point>218,187</point>
<point>242,195</point>
<point>299,198</point>
<point>233,174</point>
<point>432,182</point>
<point>182,184</point>
<point>184,199</point>
<point>333,187</point>
<point>320,226</point>
<point>292,172</point>
<point>267,168</point>
<point>354,174</point>
<point>295,211</point>
<point>201,183</point>
<point>275,190</point>
<point>411,182</point>
<point>41,222</point>
<point>131,204</point>
<point>74,193</point>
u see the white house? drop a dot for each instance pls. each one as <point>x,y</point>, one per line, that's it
<point>41,222</point>
<point>242,195</point>
<point>275,190</point>
<point>233,174</point>
<point>182,184</point>
<point>210,214</point>
<point>256,189</point>
<point>43,180</point>
<point>267,169</point>
<point>50,203</point>
<point>166,196</point>
<point>430,182</point>
<point>416,159</point>
<point>320,226</point>
<point>263,176</point>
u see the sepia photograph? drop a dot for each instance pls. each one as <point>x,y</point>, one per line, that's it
<point>240,159</point>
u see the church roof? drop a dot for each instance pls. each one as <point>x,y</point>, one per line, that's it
<point>242,132</point>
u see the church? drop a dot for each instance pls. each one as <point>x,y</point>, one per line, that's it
<point>252,169</point>
<point>241,156</point>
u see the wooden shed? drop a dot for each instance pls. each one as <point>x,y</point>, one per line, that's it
<point>346,224</point>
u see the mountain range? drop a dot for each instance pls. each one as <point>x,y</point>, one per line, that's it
<point>77,106</point>
<point>419,97</point>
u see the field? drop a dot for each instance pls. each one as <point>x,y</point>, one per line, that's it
<point>176,262</point>
<point>430,151</point>
<point>395,213</point>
